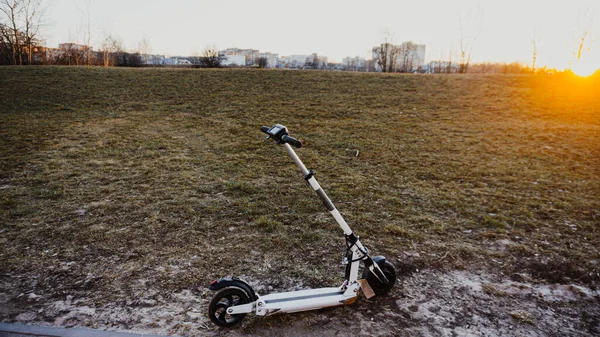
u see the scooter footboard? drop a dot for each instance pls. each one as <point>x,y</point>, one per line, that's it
<point>303,300</point>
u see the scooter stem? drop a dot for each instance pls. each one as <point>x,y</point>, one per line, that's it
<point>315,185</point>
<point>295,158</point>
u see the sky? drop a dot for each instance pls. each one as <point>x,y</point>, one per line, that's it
<point>499,31</point>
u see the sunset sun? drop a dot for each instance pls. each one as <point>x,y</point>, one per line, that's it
<point>585,67</point>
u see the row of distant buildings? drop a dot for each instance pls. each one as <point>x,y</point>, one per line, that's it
<point>409,57</point>
<point>412,59</point>
<point>405,57</point>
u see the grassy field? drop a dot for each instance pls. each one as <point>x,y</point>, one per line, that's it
<point>115,180</point>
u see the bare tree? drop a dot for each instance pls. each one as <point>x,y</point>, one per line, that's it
<point>582,65</point>
<point>124,59</point>
<point>80,52</point>
<point>87,32</point>
<point>582,42</point>
<point>535,42</point>
<point>72,51</point>
<point>262,62</point>
<point>312,62</point>
<point>7,45</point>
<point>111,46</point>
<point>12,10</point>
<point>535,54</point>
<point>393,58</point>
<point>33,14</point>
<point>323,64</point>
<point>386,54</point>
<point>407,54</point>
<point>449,64</point>
<point>485,66</point>
<point>583,36</point>
<point>466,50</point>
<point>145,49</point>
<point>20,23</point>
<point>210,58</point>
<point>5,50</point>
<point>351,64</point>
<point>465,57</point>
<point>381,55</point>
<point>466,46</point>
<point>437,66</point>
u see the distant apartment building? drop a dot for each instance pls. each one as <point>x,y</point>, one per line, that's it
<point>168,61</point>
<point>272,59</point>
<point>161,60</point>
<point>68,53</point>
<point>234,56</point>
<point>74,46</point>
<point>407,56</point>
<point>307,61</point>
<point>152,59</point>
<point>250,55</point>
<point>419,56</point>
<point>354,63</point>
<point>234,60</point>
<point>298,61</point>
<point>283,62</point>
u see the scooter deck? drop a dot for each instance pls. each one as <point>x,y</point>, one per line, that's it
<point>303,300</point>
<point>300,294</point>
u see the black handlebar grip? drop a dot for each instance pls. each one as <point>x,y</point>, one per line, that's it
<point>264,129</point>
<point>292,141</point>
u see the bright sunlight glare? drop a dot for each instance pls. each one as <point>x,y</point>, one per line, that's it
<point>585,66</point>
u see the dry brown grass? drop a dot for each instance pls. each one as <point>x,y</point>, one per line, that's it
<point>108,176</point>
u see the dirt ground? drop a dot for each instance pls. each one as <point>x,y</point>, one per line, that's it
<point>424,303</point>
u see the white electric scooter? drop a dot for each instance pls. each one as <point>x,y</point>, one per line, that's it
<point>235,298</point>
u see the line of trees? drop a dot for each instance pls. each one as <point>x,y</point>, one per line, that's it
<point>72,54</point>
<point>447,67</point>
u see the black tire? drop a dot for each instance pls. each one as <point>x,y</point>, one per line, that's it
<point>225,298</point>
<point>379,287</point>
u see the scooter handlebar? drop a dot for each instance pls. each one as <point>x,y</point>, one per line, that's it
<point>279,134</point>
<point>292,141</point>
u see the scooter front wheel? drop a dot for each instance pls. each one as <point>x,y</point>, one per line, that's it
<point>379,287</point>
<point>225,298</point>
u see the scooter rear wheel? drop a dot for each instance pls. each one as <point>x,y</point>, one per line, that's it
<point>379,287</point>
<point>225,298</point>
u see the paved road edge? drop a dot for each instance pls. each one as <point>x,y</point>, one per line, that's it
<point>23,330</point>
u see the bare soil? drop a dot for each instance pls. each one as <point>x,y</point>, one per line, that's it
<point>425,303</point>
